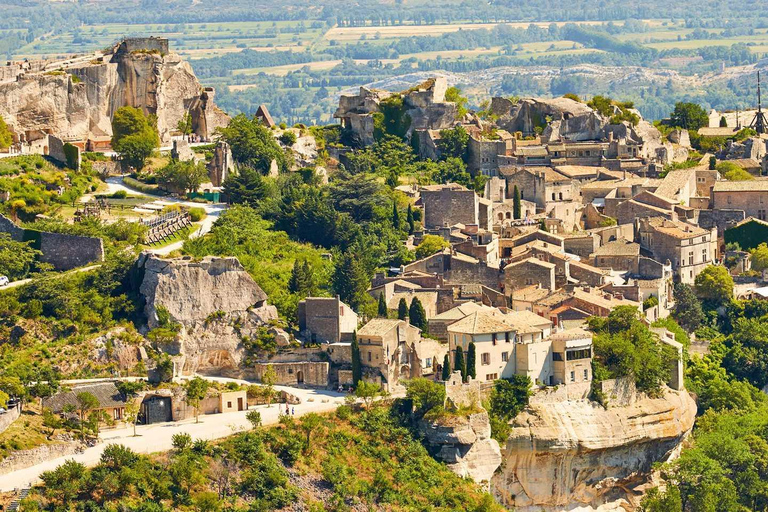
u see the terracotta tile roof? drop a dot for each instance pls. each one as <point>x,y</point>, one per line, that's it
<point>579,171</point>
<point>606,301</point>
<point>105,392</point>
<point>676,229</point>
<point>530,294</point>
<point>533,261</point>
<point>571,334</point>
<point>480,322</point>
<point>674,181</point>
<point>554,299</point>
<point>462,311</point>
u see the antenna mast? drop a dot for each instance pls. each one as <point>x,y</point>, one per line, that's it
<point>759,123</point>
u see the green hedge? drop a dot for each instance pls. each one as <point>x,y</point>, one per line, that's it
<point>142,187</point>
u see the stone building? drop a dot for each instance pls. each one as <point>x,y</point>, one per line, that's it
<point>447,205</point>
<point>571,356</point>
<point>390,350</point>
<point>750,196</point>
<point>616,255</point>
<point>531,271</point>
<point>110,401</point>
<point>689,248</point>
<point>326,320</point>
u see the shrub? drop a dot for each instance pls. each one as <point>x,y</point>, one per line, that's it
<point>197,214</point>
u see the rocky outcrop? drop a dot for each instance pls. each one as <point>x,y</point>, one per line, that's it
<point>576,453</point>
<point>76,99</point>
<point>464,443</point>
<point>217,304</point>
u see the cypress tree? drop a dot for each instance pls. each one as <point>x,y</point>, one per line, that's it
<point>350,280</point>
<point>416,315</point>
<point>712,163</point>
<point>446,367</point>
<point>395,215</point>
<point>295,282</point>
<point>309,280</point>
<point>723,122</point>
<point>411,222</point>
<point>459,363</point>
<point>471,361</point>
<point>382,306</point>
<point>402,309</point>
<point>516,203</point>
<point>357,363</point>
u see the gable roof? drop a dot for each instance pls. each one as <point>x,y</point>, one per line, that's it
<point>462,311</point>
<point>619,247</point>
<point>480,322</point>
<point>105,392</point>
<point>532,261</point>
<point>378,327</point>
<point>262,113</point>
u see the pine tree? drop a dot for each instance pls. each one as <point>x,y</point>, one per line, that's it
<point>357,363</point>
<point>310,288</point>
<point>411,222</point>
<point>382,306</point>
<point>459,363</point>
<point>402,309</point>
<point>516,203</point>
<point>350,280</point>
<point>446,367</point>
<point>416,315</point>
<point>471,361</point>
<point>294,283</point>
<point>395,216</point>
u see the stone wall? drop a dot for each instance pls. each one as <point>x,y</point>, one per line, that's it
<point>28,458</point>
<point>63,251</point>
<point>289,374</point>
<point>582,245</point>
<point>619,392</point>
<point>722,219</point>
<point>9,417</point>
<point>449,206</point>
<point>135,44</point>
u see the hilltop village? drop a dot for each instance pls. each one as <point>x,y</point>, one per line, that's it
<point>522,241</point>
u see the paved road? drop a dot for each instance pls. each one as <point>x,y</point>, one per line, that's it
<point>115,183</point>
<point>158,437</point>
<point>21,282</point>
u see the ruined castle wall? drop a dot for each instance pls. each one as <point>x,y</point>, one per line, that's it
<point>449,207</point>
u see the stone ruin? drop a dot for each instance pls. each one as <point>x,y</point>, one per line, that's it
<point>221,165</point>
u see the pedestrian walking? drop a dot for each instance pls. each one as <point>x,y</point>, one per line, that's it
<point>293,411</point>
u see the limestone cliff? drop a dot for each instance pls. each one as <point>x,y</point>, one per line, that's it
<point>216,302</point>
<point>464,444</point>
<point>569,454</point>
<point>75,99</point>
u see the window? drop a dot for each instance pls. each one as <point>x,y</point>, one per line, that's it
<point>229,405</point>
<point>485,358</point>
<point>493,338</point>
<point>553,196</point>
<point>369,357</point>
<point>572,355</point>
<point>505,356</point>
<point>729,199</point>
<point>704,255</point>
<point>690,258</point>
<point>573,376</point>
<point>557,356</point>
<point>586,374</point>
<point>506,337</point>
<point>491,376</point>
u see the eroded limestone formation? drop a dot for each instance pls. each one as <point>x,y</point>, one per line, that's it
<point>216,302</point>
<point>75,99</point>
<point>576,453</point>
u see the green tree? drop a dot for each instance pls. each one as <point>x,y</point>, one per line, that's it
<point>350,279</point>
<point>254,417</point>
<point>182,176</point>
<point>134,136</point>
<point>17,259</point>
<point>86,402</point>
<point>712,163</point>
<point>269,378</point>
<point>715,284</point>
<point>252,144</point>
<point>453,143</point>
<point>446,368</point>
<point>510,396</point>
<point>195,391</point>
<point>517,203</point>
<point>402,309</point>
<point>471,361</point>
<point>395,216</point>
<point>733,172</point>
<point>246,187</point>
<point>723,122</point>
<point>309,423</point>
<point>302,280</point>
<point>453,94</point>
<point>288,138</point>
<point>417,317</point>
<point>367,391</point>
<point>759,256</point>
<point>425,394</point>
<point>185,125</point>
<point>132,409</point>
<point>459,364</point>
<point>357,361</point>
<point>690,116</point>
<point>430,245</point>
<point>6,136</point>
<point>383,311</point>
<point>687,311</point>
<point>409,219</point>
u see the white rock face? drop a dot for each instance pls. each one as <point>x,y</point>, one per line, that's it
<point>465,445</point>
<point>217,303</point>
<point>577,454</point>
<point>164,85</point>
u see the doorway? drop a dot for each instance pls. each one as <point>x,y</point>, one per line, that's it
<point>300,377</point>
